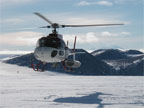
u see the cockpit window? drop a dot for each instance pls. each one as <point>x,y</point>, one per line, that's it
<point>54,53</point>
<point>61,53</point>
<point>42,42</point>
<point>51,41</point>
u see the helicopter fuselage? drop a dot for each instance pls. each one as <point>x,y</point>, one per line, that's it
<point>51,49</point>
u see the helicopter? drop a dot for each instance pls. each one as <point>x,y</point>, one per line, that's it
<point>53,49</point>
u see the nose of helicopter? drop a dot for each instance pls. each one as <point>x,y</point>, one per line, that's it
<point>47,54</point>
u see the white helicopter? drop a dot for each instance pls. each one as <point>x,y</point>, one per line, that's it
<point>52,48</point>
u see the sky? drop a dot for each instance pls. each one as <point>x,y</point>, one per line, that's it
<point>19,27</point>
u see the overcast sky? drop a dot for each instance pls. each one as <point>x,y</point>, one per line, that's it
<point>19,27</point>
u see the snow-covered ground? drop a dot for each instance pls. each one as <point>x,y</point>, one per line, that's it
<point>21,87</point>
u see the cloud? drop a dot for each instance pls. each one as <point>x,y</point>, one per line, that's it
<point>93,20</point>
<point>89,37</point>
<point>125,33</point>
<point>82,18</point>
<point>27,39</point>
<point>142,50</point>
<point>19,38</point>
<point>83,3</point>
<point>94,37</point>
<point>14,52</point>
<point>127,1</point>
<point>106,33</point>
<point>93,40</point>
<point>104,3</point>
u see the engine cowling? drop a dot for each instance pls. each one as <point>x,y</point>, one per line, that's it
<point>72,63</point>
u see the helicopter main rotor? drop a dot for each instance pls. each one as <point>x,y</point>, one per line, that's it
<point>56,25</point>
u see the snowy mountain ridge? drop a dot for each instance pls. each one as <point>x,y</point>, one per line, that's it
<point>8,57</point>
<point>119,59</point>
<point>99,62</point>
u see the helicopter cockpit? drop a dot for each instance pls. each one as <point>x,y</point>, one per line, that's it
<point>51,41</point>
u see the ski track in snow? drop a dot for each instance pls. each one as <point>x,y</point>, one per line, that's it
<point>21,87</point>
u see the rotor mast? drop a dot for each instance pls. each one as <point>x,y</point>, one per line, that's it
<point>55,26</point>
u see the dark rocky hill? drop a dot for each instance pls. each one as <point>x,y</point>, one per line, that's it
<point>129,62</point>
<point>90,65</point>
<point>134,69</point>
<point>109,54</point>
<point>104,62</point>
<point>133,52</point>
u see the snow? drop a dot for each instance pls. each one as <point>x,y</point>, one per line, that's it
<point>21,87</point>
<point>98,53</point>
<point>137,61</point>
<point>123,63</point>
<point>135,55</point>
<point>118,64</point>
<point>9,57</point>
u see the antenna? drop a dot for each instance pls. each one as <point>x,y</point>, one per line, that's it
<point>67,43</point>
<point>74,48</point>
<point>74,44</point>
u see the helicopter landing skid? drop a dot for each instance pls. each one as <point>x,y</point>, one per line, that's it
<point>36,67</point>
<point>66,68</point>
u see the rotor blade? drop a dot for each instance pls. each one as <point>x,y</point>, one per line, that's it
<point>45,27</point>
<point>44,18</point>
<point>90,25</point>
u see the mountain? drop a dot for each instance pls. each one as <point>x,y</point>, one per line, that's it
<point>4,56</point>
<point>136,68</point>
<point>109,54</point>
<point>129,62</point>
<point>90,65</point>
<point>133,52</point>
<point>99,62</point>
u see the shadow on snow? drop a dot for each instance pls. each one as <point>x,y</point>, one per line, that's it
<point>89,99</point>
